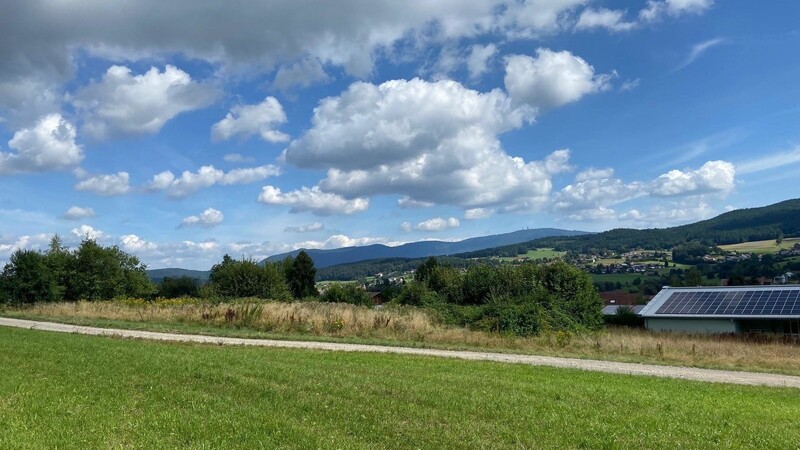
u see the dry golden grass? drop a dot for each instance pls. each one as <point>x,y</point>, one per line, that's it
<point>412,325</point>
<point>734,352</point>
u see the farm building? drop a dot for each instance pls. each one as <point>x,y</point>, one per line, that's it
<point>611,310</point>
<point>744,309</point>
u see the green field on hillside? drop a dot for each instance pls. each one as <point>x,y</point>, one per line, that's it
<point>623,278</point>
<point>536,254</point>
<point>761,247</point>
<point>72,391</point>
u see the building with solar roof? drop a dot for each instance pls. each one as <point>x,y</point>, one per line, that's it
<point>742,309</point>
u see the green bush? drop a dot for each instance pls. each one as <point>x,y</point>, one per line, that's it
<point>516,299</point>
<point>184,286</point>
<point>625,317</point>
<point>510,316</point>
<point>346,293</point>
<point>246,278</point>
<point>417,294</point>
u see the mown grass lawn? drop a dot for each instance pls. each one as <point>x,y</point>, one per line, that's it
<point>71,391</point>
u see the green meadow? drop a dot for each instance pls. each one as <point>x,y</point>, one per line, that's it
<point>537,254</point>
<point>72,391</point>
<point>762,247</point>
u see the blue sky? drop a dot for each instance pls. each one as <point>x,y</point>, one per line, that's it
<point>182,131</point>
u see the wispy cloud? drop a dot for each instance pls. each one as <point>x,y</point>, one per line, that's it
<point>690,151</point>
<point>768,162</point>
<point>697,51</point>
<point>630,85</point>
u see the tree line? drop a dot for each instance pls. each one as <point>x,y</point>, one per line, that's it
<point>89,272</point>
<point>363,269</point>
<point>284,280</point>
<point>96,272</point>
<point>519,299</point>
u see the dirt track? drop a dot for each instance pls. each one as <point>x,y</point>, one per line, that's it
<point>687,373</point>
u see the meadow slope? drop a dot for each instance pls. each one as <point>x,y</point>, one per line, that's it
<point>71,391</point>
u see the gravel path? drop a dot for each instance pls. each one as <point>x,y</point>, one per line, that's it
<point>686,373</point>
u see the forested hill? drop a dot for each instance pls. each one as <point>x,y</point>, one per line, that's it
<point>363,269</point>
<point>742,225</point>
<point>326,258</point>
<point>158,275</point>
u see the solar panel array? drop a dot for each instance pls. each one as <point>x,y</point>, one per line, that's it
<point>777,302</point>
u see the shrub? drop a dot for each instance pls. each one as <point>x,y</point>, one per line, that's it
<point>625,317</point>
<point>346,293</point>
<point>179,287</point>
<point>523,299</point>
<point>505,315</point>
<point>245,278</point>
<point>418,294</point>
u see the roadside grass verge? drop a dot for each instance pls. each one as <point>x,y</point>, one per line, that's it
<point>413,327</point>
<point>72,391</point>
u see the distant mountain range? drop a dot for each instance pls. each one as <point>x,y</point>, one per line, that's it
<point>157,275</point>
<point>326,258</point>
<point>741,225</point>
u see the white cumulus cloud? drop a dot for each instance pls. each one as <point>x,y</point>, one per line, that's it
<point>10,244</point>
<point>671,214</point>
<point>107,185</point>
<point>135,244</point>
<point>478,213</point>
<point>207,176</point>
<point>248,120</point>
<point>479,58</point>
<point>48,145</point>
<point>78,212</point>
<point>300,39</point>
<point>125,104</point>
<point>551,79</point>
<point>612,20</point>
<point>341,240</point>
<point>438,224</point>
<point>712,177</point>
<point>536,18</point>
<point>312,200</point>
<point>88,232</point>
<point>428,142</point>
<point>657,9</point>
<point>209,218</point>
<point>594,191</point>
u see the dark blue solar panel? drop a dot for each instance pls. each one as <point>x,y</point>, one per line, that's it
<point>774,302</point>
